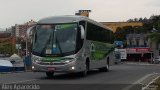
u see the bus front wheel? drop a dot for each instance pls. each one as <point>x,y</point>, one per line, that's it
<point>85,72</point>
<point>49,74</point>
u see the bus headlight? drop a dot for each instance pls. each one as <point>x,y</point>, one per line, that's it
<point>32,67</point>
<point>68,61</point>
<point>72,68</point>
<point>37,59</point>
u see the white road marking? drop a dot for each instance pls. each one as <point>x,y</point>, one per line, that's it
<point>139,63</point>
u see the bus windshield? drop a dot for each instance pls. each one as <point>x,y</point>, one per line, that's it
<point>55,39</point>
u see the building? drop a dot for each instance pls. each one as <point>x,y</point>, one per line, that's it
<point>7,43</point>
<point>155,48</point>
<point>138,48</point>
<point>136,40</point>
<point>13,31</point>
<point>20,30</point>
<point>5,34</point>
<point>114,25</point>
<point>18,34</point>
<point>83,13</point>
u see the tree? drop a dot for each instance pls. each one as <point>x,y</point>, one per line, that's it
<point>121,33</point>
<point>154,41</point>
<point>7,48</point>
<point>154,37</point>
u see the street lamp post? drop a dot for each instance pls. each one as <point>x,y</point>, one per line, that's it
<point>26,47</point>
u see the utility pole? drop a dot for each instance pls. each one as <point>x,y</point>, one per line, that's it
<point>26,46</point>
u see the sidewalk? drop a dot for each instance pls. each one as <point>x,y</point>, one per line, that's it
<point>139,63</point>
<point>153,85</point>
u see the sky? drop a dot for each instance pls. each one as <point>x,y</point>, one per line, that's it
<point>20,11</point>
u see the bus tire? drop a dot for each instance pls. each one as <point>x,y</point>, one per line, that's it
<point>85,72</point>
<point>49,74</point>
<point>106,68</point>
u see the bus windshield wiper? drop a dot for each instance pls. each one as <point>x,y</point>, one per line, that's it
<point>60,49</point>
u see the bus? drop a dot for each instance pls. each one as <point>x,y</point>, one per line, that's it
<point>123,53</point>
<point>70,44</point>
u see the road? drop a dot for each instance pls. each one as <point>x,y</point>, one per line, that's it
<point>120,77</point>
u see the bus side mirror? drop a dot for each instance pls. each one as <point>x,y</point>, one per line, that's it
<point>82,31</point>
<point>30,33</point>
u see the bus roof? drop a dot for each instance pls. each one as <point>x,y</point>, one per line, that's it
<point>68,19</point>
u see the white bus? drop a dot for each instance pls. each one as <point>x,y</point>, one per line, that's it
<point>123,53</point>
<point>70,44</point>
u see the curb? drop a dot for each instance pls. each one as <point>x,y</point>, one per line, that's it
<point>149,86</point>
<point>138,63</point>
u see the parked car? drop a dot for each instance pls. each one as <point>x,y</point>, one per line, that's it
<point>5,66</point>
<point>157,60</point>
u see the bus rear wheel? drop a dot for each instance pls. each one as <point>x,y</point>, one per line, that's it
<point>106,68</point>
<point>49,74</point>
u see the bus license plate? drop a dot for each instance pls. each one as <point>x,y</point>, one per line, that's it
<point>51,69</point>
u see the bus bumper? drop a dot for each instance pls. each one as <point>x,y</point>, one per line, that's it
<point>70,67</point>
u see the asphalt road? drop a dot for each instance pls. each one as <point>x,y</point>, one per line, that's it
<point>120,77</point>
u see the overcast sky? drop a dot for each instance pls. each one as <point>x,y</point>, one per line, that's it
<point>19,11</point>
